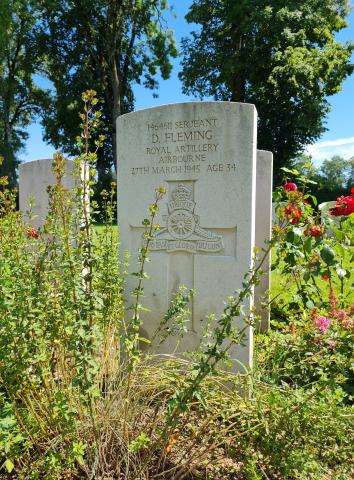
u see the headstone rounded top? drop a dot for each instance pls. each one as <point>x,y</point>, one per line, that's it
<point>195,104</point>
<point>32,163</point>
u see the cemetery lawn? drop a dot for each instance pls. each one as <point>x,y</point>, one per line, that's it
<point>284,287</point>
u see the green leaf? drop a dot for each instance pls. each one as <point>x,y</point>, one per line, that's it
<point>292,172</point>
<point>308,245</point>
<point>144,340</point>
<point>306,180</point>
<point>9,466</point>
<point>313,198</point>
<point>340,250</point>
<point>338,233</point>
<point>328,255</point>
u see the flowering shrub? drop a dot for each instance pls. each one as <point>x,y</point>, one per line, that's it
<point>314,343</point>
<point>313,350</point>
<point>306,255</point>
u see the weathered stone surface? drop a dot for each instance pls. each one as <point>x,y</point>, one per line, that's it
<point>264,187</point>
<point>205,154</point>
<point>35,178</point>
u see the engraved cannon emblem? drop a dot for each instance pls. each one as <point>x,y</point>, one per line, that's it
<point>182,230</point>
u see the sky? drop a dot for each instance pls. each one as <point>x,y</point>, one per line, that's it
<point>337,140</point>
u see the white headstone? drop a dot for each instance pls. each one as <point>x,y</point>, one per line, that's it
<point>205,155</point>
<point>35,179</point>
<point>327,219</point>
<point>264,187</point>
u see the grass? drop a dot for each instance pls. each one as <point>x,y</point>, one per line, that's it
<point>283,287</point>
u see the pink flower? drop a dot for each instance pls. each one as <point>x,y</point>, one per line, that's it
<point>322,323</point>
<point>290,187</point>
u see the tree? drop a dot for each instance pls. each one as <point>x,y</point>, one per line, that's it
<point>280,55</point>
<point>334,173</point>
<point>350,182</point>
<point>105,45</point>
<point>19,96</point>
<point>334,177</point>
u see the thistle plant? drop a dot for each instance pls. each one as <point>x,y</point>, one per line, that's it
<point>176,318</point>
<point>225,336</point>
<point>133,325</point>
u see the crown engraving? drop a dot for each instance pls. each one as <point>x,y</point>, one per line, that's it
<point>182,193</point>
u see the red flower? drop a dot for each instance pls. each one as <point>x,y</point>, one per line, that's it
<point>293,212</point>
<point>31,232</point>
<point>325,278</point>
<point>343,206</point>
<point>290,187</point>
<point>314,231</point>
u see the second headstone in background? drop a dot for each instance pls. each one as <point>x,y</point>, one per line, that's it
<point>35,180</point>
<point>264,189</point>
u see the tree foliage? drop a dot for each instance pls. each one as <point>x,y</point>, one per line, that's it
<point>105,45</point>
<point>336,172</point>
<point>280,55</point>
<point>19,96</point>
<point>334,177</point>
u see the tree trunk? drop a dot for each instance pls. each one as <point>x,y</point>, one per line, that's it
<point>117,106</point>
<point>238,83</point>
<point>238,89</point>
<point>9,166</point>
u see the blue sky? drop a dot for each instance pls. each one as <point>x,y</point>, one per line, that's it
<point>338,140</point>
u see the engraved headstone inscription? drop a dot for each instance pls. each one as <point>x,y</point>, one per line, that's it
<point>205,155</point>
<point>35,179</point>
<point>264,187</point>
